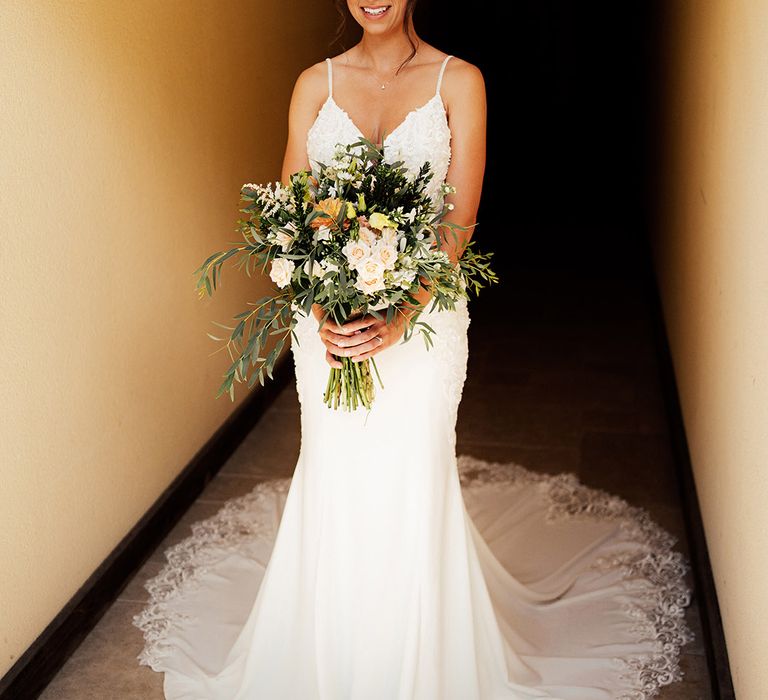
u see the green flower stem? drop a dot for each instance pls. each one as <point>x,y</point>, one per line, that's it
<point>378,376</point>
<point>347,384</point>
<point>360,394</point>
<point>362,391</point>
<point>366,384</point>
<point>352,385</point>
<point>329,385</point>
<point>360,386</point>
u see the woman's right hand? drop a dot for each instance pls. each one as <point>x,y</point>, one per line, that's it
<point>344,341</point>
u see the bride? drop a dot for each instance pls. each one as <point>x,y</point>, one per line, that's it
<point>387,568</point>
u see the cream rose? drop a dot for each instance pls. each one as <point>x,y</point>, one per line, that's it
<point>370,276</point>
<point>386,253</point>
<point>356,252</point>
<point>281,271</point>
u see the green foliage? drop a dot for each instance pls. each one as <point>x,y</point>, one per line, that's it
<point>298,223</point>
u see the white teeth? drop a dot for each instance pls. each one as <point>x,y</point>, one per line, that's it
<point>375,11</point>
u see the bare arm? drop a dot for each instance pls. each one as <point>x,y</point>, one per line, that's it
<point>308,94</point>
<point>464,94</point>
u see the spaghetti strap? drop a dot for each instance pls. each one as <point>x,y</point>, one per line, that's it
<point>440,77</point>
<point>330,77</point>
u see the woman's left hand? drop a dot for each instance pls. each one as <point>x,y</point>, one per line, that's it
<point>389,333</point>
<point>385,334</point>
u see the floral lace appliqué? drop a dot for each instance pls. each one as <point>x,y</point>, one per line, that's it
<point>648,564</point>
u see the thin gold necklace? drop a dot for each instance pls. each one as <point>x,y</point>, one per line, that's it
<point>384,85</point>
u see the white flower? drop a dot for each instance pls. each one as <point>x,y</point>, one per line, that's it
<point>281,271</point>
<point>323,234</point>
<point>367,236</point>
<point>370,276</point>
<point>389,235</point>
<point>355,252</point>
<point>405,273</point>
<point>283,239</point>
<point>386,254</point>
<point>316,271</point>
<point>329,266</point>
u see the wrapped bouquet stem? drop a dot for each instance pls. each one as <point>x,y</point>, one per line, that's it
<point>355,236</point>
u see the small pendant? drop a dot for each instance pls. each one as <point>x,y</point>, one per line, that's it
<point>383,86</point>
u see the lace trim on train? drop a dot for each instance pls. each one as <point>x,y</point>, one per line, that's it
<point>660,615</point>
<point>240,519</point>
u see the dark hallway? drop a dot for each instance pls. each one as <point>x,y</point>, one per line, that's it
<point>574,97</point>
<point>568,364</point>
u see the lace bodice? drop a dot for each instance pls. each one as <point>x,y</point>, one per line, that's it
<point>424,135</point>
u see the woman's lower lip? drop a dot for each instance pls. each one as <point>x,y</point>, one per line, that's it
<point>375,17</point>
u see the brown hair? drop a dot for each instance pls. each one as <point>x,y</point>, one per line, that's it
<point>343,11</point>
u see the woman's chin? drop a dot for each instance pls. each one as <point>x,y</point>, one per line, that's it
<point>376,29</point>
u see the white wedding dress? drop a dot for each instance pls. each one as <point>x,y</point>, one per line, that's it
<point>388,569</point>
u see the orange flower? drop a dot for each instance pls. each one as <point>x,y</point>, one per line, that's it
<point>331,208</point>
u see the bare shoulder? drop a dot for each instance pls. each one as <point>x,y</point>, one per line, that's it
<point>462,77</point>
<point>312,84</point>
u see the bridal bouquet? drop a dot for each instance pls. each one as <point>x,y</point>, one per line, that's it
<point>356,236</point>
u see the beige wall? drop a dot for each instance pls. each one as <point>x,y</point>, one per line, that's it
<point>126,131</point>
<point>712,261</point>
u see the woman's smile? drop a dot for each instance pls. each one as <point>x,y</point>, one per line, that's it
<point>375,12</point>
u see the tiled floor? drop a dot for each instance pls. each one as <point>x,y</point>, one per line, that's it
<point>562,377</point>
